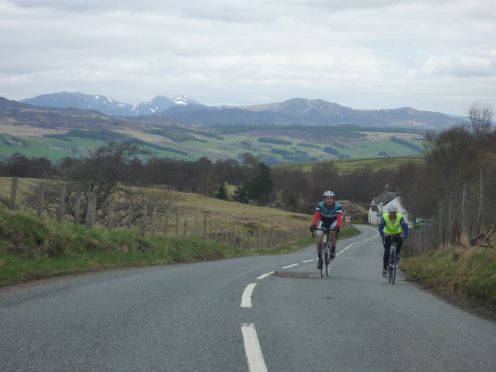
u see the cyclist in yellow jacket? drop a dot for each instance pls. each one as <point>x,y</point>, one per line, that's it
<point>392,227</point>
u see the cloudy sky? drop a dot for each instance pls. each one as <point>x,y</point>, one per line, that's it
<point>437,55</point>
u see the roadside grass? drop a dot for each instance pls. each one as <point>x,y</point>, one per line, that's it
<point>458,272</point>
<point>33,248</point>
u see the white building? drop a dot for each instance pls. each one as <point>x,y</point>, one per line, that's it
<point>379,206</point>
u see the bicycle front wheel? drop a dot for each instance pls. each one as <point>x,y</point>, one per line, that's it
<point>327,260</point>
<point>325,254</point>
<point>392,259</point>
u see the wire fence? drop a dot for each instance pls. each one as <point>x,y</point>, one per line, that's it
<point>464,216</point>
<point>55,201</point>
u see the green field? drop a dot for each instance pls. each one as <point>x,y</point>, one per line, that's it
<point>272,145</point>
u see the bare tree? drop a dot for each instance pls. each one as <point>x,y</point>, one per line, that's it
<point>480,118</point>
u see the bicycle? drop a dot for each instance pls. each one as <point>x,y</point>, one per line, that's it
<point>392,264</point>
<point>326,253</point>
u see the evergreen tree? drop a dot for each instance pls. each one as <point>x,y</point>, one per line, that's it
<point>221,193</point>
<point>260,186</point>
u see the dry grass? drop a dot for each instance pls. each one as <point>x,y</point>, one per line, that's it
<point>248,217</point>
<point>459,272</point>
<point>226,215</point>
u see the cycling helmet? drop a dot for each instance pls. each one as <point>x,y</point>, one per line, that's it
<point>393,207</point>
<point>329,193</point>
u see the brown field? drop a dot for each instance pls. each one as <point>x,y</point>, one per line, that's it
<point>220,214</point>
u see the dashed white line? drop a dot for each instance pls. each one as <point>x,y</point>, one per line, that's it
<point>253,350</point>
<point>313,259</point>
<point>287,267</point>
<point>265,275</point>
<point>247,293</point>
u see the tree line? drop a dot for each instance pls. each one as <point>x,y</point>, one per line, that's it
<point>454,156</point>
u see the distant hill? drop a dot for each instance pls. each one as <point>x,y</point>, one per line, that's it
<point>106,105</point>
<point>16,114</point>
<point>296,111</point>
<point>58,132</point>
<point>299,111</point>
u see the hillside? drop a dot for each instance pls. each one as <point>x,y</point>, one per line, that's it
<point>300,145</point>
<point>299,111</point>
<point>58,132</point>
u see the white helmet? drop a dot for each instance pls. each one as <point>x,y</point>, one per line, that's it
<point>329,193</point>
<point>393,207</point>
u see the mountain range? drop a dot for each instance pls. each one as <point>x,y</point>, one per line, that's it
<point>106,105</point>
<point>296,111</point>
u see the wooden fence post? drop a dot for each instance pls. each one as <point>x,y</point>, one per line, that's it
<point>166,223</point>
<point>450,220</point>
<point>13,193</point>
<point>204,226</point>
<point>145,218</point>
<point>110,218</point>
<point>177,222</point>
<point>154,218</point>
<point>441,235</point>
<point>185,225</point>
<point>130,216</point>
<point>464,201</point>
<point>77,208</point>
<point>90,214</point>
<point>61,208</point>
<point>481,197</point>
<point>40,199</point>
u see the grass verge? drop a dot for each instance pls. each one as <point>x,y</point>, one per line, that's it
<point>466,274</point>
<point>31,248</point>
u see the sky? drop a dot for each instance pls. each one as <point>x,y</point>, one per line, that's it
<point>434,55</point>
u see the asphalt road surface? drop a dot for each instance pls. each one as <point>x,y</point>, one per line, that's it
<point>271,313</point>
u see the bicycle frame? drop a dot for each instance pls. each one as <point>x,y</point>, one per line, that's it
<point>325,252</point>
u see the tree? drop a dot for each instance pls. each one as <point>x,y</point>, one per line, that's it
<point>259,187</point>
<point>221,193</point>
<point>240,195</point>
<point>480,118</point>
<point>453,157</point>
<point>100,171</point>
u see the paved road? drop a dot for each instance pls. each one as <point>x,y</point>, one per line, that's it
<point>247,314</point>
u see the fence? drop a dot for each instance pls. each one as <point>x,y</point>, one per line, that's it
<point>464,216</point>
<point>148,217</point>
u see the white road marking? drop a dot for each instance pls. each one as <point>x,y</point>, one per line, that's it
<point>265,275</point>
<point>253,350</point>
<point>313,259</point>
<point>247,293</point>
<point>287,267</point>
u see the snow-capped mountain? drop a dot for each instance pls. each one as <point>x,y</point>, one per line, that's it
<point>185,100</point>
<point>106,105</point>
<point>81,101</point>
<point>157,104</point>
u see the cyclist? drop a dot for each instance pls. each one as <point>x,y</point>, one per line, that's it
<point>393,227</point>
<point>328,215</point>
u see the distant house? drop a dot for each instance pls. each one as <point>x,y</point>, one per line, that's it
<point>379,206</point>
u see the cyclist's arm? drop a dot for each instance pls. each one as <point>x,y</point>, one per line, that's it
<point>404,225</point>
<point>381,226</point>
<point>339,216</point>
<point>316,217</point>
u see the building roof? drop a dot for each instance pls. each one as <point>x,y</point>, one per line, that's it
<point>385,197</point>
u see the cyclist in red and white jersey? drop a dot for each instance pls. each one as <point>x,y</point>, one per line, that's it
<point>327,215</point>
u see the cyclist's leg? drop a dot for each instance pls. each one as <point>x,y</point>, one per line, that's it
<point>399,244</point>
<point>387,247</point>
<point>320,237</point>
<point>333,235</point>
<point>319,245</point>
